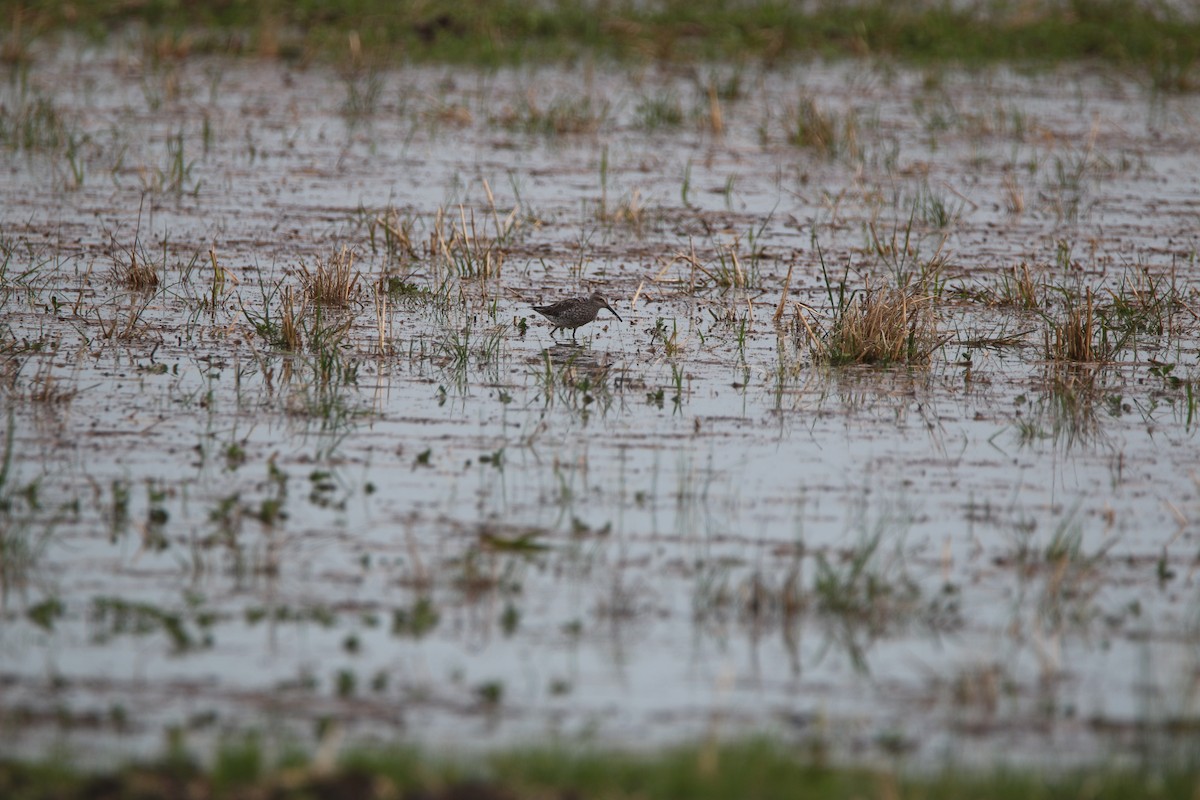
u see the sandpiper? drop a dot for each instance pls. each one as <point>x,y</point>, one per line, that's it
<point>574,312</point>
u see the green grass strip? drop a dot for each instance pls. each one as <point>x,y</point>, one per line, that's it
<point>749,770</point>
<point>1124,32</point>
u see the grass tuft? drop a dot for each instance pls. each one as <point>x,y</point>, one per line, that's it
<point>32,122</point>
<point>659,111</point>
<point>461,248</point>
<point>289,336</point>
<point>883,327</point>
<point>134,271</point>
<point>825,132</point>
<point>563,116</point>
<point>1018,290</point>
<point>333,282</point>
<point>1072,338</point>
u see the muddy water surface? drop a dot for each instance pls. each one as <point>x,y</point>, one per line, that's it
<point>433,523</point>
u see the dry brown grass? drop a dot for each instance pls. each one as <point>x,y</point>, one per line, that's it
<point>289,330</point>
<point>133,271</point>
<point>826,132</point>
<point>333,282</point>
<point>382,319</point>
<point>1014,196</point>
<point>1018,289</point>
<point>464,249</point>
<point>1073,338</point>
<point>882,326</point>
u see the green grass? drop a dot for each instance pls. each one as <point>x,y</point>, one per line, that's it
<point>113,616</point>
<point>1166,44</point>
<point>31,122</point>
<point>659,111</point>
<point>825,132</point>
<point>751,769</point>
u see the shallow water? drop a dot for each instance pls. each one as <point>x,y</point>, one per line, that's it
<point>473,535</point>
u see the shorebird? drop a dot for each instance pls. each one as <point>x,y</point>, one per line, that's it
<point>574,312</point>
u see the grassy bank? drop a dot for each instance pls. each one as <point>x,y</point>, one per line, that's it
<point>754,769</point>
<point>506,31</point>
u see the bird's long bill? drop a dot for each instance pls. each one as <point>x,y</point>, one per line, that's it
<point>614,313</point>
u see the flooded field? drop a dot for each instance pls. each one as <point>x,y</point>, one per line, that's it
<point>287,451</point>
